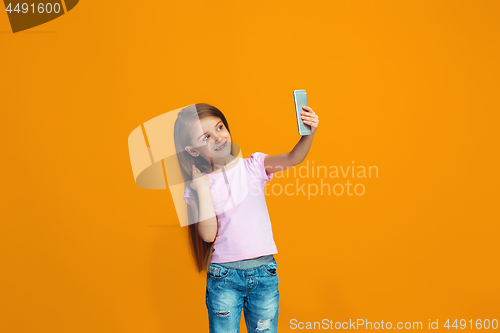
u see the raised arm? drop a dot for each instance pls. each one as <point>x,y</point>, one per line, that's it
<point>280,162</point>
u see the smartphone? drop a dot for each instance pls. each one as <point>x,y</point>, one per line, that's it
<point>300,99</point>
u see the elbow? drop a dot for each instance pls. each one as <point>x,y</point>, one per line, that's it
<point>207,233</point>
<point>208,239</point>
<point>294,160</point>
<point>297,162</point>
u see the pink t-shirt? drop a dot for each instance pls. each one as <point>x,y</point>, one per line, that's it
<point>244,227</point>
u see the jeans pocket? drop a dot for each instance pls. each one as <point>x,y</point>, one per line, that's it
<point>271,268</point>
<point>218,271</point>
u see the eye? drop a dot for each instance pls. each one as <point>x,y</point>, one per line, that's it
<point>221,126</point>
<point>206,137</point>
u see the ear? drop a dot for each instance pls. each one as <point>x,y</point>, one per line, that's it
<point>191,151</point>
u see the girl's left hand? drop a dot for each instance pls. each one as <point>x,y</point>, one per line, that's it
<point>310,118</point>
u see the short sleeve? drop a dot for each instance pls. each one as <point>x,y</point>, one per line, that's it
<point>188,193</point>
<point>257,165</point>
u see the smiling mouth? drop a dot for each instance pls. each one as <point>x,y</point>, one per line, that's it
<point>221,147</point>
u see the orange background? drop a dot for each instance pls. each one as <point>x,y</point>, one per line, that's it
<point>411,87</point>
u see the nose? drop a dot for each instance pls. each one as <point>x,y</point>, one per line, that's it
<point>217,138</point>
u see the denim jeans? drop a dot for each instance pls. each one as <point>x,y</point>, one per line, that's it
<point>255,290</point>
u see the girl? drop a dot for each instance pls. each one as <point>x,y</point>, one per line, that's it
<point>229,224</point>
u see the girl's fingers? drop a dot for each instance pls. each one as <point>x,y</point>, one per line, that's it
<point>313,118</point>
<point>309,117</point>
<point>308,109</point>
<point>309,113</point>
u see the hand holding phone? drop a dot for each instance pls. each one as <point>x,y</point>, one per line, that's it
<point>300,99</point>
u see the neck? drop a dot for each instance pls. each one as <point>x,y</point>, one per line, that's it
<point>221,162</point>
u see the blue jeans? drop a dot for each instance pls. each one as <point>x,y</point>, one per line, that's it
<point>229,290</point>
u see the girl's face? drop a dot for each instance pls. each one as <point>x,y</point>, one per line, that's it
<point>210,139</point>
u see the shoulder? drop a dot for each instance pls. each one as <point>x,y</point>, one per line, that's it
<point>257,157</point>
<point>256,163</point>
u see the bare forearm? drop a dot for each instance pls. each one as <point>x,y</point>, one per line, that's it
<point>280,162</point>
<point>301,149</point>
<point>207,227</point>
